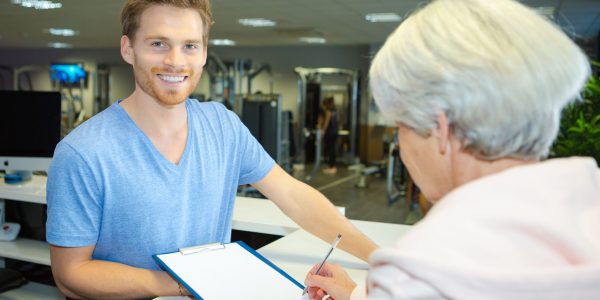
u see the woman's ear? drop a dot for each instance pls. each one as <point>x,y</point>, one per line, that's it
<point>443,132</point>
<point>127,50</point>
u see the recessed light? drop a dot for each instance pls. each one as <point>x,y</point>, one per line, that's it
<point>62,31</point>
<point>221,42</point>
<point>257,22</point>
<point>383,17</point>
<point>37,4</point>
<point>60,45</point>
<point>313,40</point>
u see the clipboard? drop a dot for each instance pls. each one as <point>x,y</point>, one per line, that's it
<point>229,271</point>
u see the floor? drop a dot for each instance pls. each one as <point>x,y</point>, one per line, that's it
<point>368,203</point>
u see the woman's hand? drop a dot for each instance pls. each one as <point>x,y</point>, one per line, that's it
<point>332,280</point>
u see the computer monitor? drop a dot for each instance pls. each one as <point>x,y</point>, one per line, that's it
<point>29,129</point>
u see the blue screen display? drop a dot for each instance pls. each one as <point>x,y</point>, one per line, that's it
<point>67,73</point>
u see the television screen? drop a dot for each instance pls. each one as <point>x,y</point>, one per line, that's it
<point>68,74</point>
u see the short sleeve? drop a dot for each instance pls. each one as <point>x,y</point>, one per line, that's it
<point>74,200</point>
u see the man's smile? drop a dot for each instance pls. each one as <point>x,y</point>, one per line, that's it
<point>172,78</point>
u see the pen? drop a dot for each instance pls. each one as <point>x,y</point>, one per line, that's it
<point>333,245</point>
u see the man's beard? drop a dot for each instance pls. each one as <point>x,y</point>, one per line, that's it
<point>164,95</point>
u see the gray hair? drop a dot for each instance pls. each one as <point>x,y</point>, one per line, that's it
<point>501,73</point>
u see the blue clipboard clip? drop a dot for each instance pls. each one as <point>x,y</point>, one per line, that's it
<point>201,248</point>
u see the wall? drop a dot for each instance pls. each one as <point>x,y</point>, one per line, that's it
<point>282,61</point>
<point>42,58</point>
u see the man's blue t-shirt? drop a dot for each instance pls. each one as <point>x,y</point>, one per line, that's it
<point>109,186</point>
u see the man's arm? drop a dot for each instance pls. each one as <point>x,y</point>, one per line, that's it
<point>313,212</point>
<point>77,275</point>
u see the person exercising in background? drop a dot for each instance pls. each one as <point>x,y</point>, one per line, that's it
<point>156,171</point>
<point>328,123</point>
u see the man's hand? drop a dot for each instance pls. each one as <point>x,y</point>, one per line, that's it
<point>332,280</point>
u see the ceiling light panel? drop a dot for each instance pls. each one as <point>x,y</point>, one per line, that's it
<point>62,31</point>
<point>383,17</point>
<point>60,45</point>
<point>221,42</point>
<point>37,4</point>
<point>313,40</point>
<point>259,22</point>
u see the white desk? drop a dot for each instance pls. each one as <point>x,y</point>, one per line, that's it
<point>263,216</point>
<point>255,215</point>
<point>297,252</point>
<point>249,214</point>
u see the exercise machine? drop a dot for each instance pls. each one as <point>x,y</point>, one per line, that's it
<point>270,125</point>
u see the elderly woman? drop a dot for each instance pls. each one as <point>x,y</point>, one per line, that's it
<point>476,88</point>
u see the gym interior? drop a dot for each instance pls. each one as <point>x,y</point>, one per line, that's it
<point>272,63</point>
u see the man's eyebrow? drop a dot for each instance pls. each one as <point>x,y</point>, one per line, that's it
<point>155,37</point>
<point>163,38</point>
<point>193,41</point>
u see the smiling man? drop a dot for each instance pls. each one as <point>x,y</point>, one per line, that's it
<point>156,171</point>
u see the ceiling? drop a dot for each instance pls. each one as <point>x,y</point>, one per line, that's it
<point>340,22</point>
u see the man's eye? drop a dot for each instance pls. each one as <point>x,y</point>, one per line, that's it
<point>191,46</point>
<point>157,44</point>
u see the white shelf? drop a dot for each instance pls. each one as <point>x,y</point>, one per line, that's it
<point>33,191</point>
<point>26,250</point>
<point>33,291</point>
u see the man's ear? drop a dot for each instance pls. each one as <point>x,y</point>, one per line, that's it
<point>443,132</point>
<point>204,54</point>
<point>127,50</point>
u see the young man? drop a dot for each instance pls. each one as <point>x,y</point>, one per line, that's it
<point>155,172</point>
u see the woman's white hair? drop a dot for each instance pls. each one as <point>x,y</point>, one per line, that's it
<point>501,73</point>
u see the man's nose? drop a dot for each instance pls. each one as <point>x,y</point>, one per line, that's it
<point>174,58</point>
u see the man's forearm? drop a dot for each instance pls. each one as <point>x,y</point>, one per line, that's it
<point>314,213</point>
<point>109,280</point>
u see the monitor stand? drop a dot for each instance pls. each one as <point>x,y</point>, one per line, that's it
<point>9,231</point>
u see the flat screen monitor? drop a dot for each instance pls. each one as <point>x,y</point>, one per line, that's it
<point>29,129</point>
<point>68,74</point>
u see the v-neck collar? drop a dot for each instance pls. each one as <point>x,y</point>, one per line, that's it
<point>149,143</point>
